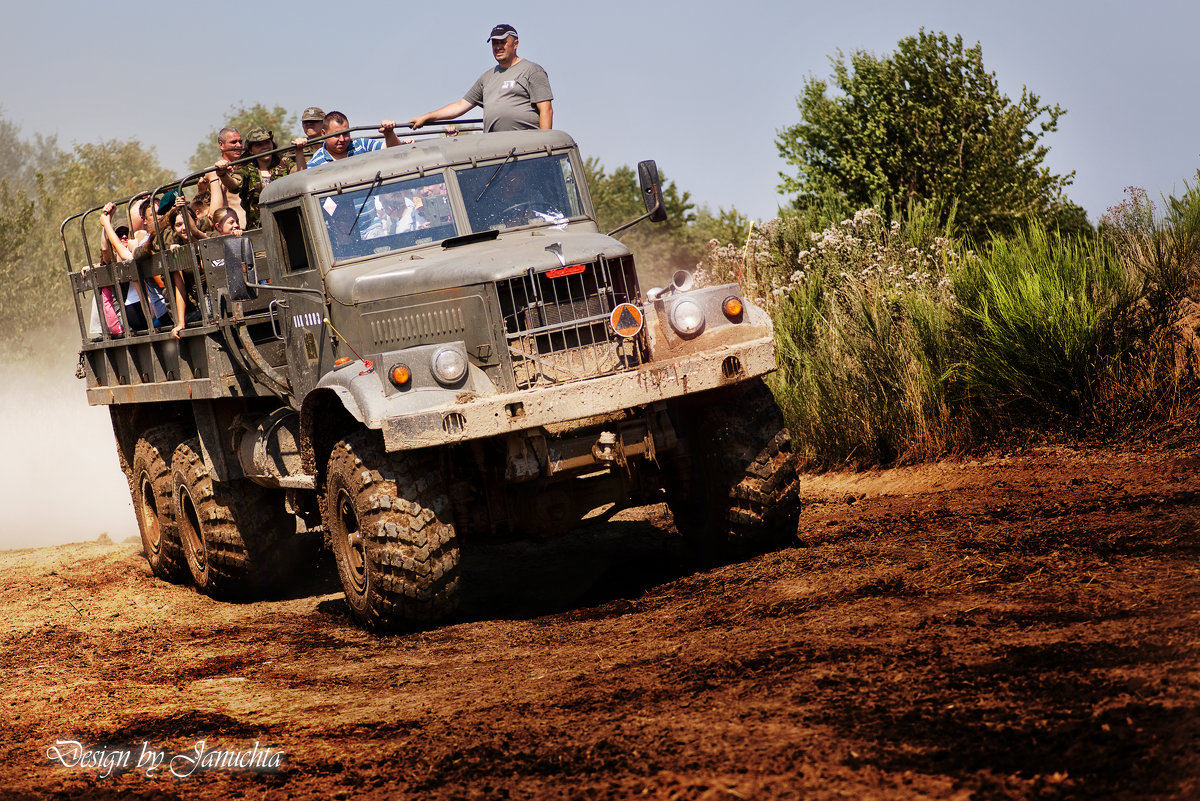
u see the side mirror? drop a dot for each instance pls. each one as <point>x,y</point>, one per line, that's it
<point>651,191</point>
<point>656,211</point>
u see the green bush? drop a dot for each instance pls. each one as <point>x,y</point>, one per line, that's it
<point>862,327</point>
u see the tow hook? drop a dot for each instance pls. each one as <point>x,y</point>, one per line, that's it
<point>605,449</point>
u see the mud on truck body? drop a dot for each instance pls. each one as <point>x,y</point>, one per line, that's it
<point>423,347</point>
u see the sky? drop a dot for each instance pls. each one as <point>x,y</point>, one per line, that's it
<point>701,87</point>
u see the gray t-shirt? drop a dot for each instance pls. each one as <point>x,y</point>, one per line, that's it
<point>509,96</point>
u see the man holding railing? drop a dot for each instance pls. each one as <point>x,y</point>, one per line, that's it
<point>340,145</point>
<point>515,94</point>
<point>229,141</point>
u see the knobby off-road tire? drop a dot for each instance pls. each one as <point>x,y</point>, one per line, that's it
<point>235,534</point>
<point>149,478</point>
<point>733,490</point>
<point>389,522</point>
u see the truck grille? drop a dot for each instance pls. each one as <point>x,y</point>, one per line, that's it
<point>557,325</point>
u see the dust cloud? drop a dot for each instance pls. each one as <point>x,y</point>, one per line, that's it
<point>59,477</point>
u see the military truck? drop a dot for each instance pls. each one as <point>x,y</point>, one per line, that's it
<point>424,347</point>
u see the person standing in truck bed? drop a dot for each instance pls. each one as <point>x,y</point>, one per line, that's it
<point>313,123</point>
<point>515,94</point>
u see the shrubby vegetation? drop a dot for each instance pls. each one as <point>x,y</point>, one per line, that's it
<point>933,288</point>
<point>900,340</point>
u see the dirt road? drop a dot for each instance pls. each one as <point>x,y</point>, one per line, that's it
<point>1025,626</point>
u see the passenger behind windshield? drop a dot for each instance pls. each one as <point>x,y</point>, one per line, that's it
<point>378,219</point>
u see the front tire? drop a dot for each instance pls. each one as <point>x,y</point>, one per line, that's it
<point>389,523</point>
<point>733,490</point>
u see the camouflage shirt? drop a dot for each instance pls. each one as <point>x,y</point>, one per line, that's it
<point>251,181</point>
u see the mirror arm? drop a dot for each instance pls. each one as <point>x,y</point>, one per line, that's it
<point>630,224</point>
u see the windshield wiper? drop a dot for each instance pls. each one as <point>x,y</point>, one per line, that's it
<point>497,172</point>
<point>374,183</point>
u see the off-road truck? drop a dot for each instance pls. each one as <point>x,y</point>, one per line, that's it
<point>423,347</point>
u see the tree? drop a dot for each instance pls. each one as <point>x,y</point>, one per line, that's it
<point>89,176</point>
<point>927,122</point>
<point>618,198</point>
<point>17,218</point>
<point>276,120</point>
<point>726,226</point>
<point>31,266</point>
<point>21,161</point>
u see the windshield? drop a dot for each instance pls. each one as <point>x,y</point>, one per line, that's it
<point>531,191</point>
<point>381,218</point>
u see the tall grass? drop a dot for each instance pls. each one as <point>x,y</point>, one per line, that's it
<point>1161,251</point>
<point>898,343</point>
<point>862,324</point>
<point>1042,322</point>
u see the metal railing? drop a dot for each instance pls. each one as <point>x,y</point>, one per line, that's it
<point>105,276</point>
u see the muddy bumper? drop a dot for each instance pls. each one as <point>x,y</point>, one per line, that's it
<point>660,380</point>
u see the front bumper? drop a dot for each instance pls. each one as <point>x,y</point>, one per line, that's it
<point>662,379</point>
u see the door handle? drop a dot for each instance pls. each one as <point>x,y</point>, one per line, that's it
<point>275,327</point>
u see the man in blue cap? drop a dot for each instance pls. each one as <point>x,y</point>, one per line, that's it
<point>515,94</point>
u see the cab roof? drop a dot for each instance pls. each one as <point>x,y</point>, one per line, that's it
<point>423,155</point>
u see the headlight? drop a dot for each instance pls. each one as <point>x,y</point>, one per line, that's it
<point>449,366</point>
<point>687,318</point>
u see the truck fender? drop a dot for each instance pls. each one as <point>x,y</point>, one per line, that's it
<point>327,414</point>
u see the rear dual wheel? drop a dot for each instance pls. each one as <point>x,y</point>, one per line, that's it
<point>236,535</point>
<point>149,477</point>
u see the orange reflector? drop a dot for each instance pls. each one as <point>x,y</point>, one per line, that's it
<point>342,361</point>
<point>626,320</point>
<point>401,375</point>
<point>733,307</point>
<point>559,272</point>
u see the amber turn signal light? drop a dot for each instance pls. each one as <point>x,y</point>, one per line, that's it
<point>400,375</point>
<point>342,361</point>
<point>733,308</point>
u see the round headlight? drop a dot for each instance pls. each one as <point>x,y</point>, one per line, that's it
<point>449,366</point>
<point>687,318</point>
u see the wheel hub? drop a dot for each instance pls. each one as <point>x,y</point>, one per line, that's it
<point>356,553</point>
<point>189,529</point>
<point>150,515</point>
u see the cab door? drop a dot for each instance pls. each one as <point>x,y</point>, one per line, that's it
<point>298,307</point>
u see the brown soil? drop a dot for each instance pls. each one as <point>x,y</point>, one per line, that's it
<point>1024,626</point>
